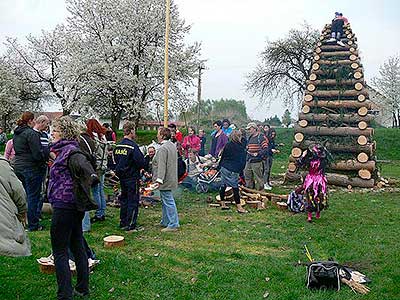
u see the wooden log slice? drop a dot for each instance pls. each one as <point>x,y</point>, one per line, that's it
<point>296,152</point>
<point>315,66</point>
<point>362,125</point>
<point>362,111</point>
<point>358,86</point>
<point>306,109</point>
<point>114,241</point>
<point>361,98</point>
<point>311,87</point>
<point>357,75</point>
<point>362,140</point>
<point>355,65</point>
<point>303,123</point>
<point>308,98</point>
<point>364,174</point>
<point>292,167</point>
<point>362,157</point>
<point>299,137</point>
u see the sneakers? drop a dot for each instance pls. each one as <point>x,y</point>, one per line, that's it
<point>80,295</point>
<point>267,187</point>
<point>331,40</point>
<point>169,229</point>
<point>131,230</point>
<point>39,228</point>
<point>340,43</point>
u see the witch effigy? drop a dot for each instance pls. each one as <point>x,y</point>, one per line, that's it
<point>314,188</point>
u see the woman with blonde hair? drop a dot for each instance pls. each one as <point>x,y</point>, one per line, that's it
<point>233,161</point>
<point>71,176</point>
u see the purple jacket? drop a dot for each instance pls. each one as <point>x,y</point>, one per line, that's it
<point>220,143</point>
<point>61,185</point>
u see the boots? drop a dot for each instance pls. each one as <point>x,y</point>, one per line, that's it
<point>309,217</point>
<point>318,215</point>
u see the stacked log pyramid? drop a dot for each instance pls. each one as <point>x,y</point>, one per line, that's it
<point>335,113</point>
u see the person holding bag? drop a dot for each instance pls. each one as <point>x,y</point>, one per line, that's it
<point>71,177</point>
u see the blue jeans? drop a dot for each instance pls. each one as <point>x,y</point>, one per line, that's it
<point>99,197</point>
<point>32,181</point>
<point>86,222</point>
<point>169,212</point>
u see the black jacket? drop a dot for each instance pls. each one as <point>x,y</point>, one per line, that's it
<point>129,160</point>
<point>29,152</point>
<point>84,177</point>
<point>233,157</point>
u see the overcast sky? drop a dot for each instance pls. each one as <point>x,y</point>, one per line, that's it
<point>234,32</point>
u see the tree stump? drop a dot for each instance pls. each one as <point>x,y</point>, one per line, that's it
<point>112,241</point>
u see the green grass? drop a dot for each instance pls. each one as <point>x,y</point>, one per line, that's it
<point>222,255</point>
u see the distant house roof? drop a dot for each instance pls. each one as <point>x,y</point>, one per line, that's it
<point>50,114</point>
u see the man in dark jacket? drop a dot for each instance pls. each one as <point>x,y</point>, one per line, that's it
<point>129,161</point>
<point>30,165</point>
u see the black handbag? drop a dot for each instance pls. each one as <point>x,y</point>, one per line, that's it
<point>323,275</point>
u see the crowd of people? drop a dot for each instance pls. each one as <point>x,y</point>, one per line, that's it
<point>66,166</point>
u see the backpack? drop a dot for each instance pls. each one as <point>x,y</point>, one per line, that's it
<point>295,202</point>
<point>89,154</point>
<point>323,275</point>
<point>101,154</point>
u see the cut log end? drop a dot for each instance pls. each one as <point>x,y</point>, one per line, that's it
<point>306,109</point>
<point>303,123</point>
<point>313,77</point>
<point>364,174</point>
<point>299,137</point>
<point>362,111</point>
<point>362,125</point>
<point>317,57</point>
<point>315,66</point>
<point>308,98</point>
<point>296,152</point>
<point>362,157</point>
<point>292,167</point>
<point>353,57</point>
<point>361,98</point>
<point>355,66</point>
<point>362,140</point>
<point>358,86</point>
<point>357,75</point>
<point>311,87</point>
<point>318,50</point>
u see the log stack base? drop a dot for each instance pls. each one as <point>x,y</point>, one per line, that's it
<point>336,113</point>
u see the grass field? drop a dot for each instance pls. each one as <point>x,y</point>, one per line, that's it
<point>222,255</point>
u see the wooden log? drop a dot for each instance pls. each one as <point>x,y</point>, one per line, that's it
<point>339,131</point>
<point>362,125</point>
<point>299,137</point>
<point>326,48</point>
<point>362,157</point>
<point>353,57</point>
<point>362,140</point>
<point>337,179</point>
<point>354,65</point>
<point>318,50</point>
<point>345,165</point>
<point>308,98</point>
<point>346,118</point>
<point>305,109</point>
<point>358,86</point>
<point>337,53</point>
<point>303,123</point>
<point>311,87</point>
<point>362,111</point>
<point>338,93</point>
<point>113,241</point>
<point>292,167</point>
<point>313,77</point>
<point>334,70</point>
<point>334,147</point>
<point>364,174</point>
<point>333,82</point>
<point>357,75</point>
<point>340,104</point>
<point>262,193</point>
<point>296,152</point>
<point>317,57</point>
<point>334,62</point>
<point>361,98</point>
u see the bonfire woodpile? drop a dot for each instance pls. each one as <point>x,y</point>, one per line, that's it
<point>336,113</point>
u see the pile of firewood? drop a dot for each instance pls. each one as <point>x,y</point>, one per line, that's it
<point>336,113</point>
<point>250,197</point>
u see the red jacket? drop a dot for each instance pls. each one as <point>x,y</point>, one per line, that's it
<point>191,142</point>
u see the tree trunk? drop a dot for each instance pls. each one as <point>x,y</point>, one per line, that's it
<point>346,118</point>
<point>394,123</point>
<point>115,120</point>
<point>339,131</point>
<point>333,147</point>
<point>340,104</point>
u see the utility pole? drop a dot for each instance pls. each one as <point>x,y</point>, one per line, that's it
<point>201,67</point>
<point>167,8</point>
